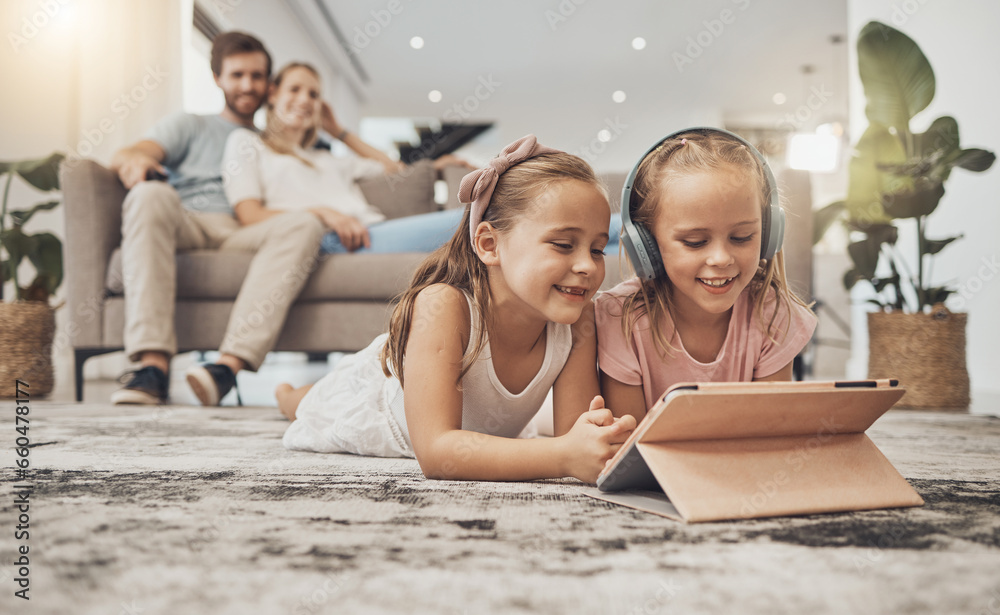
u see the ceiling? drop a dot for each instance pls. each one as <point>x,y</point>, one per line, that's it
<point>552,66</point>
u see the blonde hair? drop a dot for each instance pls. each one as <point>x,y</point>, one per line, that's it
<point>270,134</point>
<point>679,156</point>
<point>457,264</point>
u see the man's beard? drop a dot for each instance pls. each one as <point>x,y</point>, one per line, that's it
<point>231,104</point>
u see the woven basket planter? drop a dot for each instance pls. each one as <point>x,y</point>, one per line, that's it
<point>26,332</point>
<point>926,352</point>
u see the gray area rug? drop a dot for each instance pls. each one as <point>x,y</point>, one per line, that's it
<point>191,510</point>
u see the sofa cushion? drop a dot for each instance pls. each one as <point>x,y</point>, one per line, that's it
<point>407,193</point>
<point>211,274</point>
<point>218,274</point>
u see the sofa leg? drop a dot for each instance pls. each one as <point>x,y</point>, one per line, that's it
<point>80,356</point>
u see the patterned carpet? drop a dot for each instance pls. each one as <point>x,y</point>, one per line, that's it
<point>187,510</point>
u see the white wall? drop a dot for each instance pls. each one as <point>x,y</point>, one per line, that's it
<point>960,41</point>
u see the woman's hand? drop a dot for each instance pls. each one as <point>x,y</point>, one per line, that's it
<point>349,229</point>
<point>328,121</point>
<point>594,439</point>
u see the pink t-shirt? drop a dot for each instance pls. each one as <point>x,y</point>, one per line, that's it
<point>746,354</point>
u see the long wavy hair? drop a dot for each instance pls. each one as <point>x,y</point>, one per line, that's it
<point>699,152</point>
<point>457,264</point>
<point>273,127</point>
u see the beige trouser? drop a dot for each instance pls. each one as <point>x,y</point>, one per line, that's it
<point>155,226</point>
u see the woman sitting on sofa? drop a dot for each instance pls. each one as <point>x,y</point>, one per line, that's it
<point>280,170</point>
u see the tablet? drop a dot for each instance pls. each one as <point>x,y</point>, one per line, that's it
<point>749,449</point>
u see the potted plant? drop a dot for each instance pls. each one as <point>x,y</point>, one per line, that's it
<point>27,324</point>
<point>896,181</point>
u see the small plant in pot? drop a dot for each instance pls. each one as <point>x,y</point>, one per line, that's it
<point>897,180</point>
<point>27,321</point>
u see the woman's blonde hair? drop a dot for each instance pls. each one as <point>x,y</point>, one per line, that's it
<point>674,158</point>
<point>270,134</point>
<point>457,264</point>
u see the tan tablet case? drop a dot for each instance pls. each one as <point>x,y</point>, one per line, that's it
<point>761,449</point>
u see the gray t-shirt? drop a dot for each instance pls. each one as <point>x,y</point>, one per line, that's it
<point>194,145</point>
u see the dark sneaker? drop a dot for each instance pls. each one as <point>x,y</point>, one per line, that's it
<point>211,382</point>
<point>146,385</point>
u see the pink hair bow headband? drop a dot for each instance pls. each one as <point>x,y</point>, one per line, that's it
<point>477,187</point>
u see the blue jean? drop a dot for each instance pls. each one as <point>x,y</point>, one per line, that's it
<point>422,233</point>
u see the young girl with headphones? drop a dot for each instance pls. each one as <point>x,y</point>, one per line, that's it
<point>491,322</point>
<point>702,228</point>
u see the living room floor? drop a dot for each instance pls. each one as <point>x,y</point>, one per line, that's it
<point>183,509</point>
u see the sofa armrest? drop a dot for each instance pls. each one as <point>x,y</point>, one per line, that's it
<point>452,175</point>
<point>92,202</point>
<point>407,193</point>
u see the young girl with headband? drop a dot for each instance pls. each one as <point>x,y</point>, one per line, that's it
<point>492,320</point>
<point>702,227</point>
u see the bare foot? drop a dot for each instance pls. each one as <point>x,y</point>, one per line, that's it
<point>289,397</point>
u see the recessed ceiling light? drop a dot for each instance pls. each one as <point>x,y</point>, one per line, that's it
<point>434,96</point>
<point>416,42</point>
<point>618,96</point>
<point>604,135</point>
<point>638,43</point>
<point>779,98</point>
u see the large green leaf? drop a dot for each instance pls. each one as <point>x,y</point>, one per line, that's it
<point>868,182</point>
<point>914,203</point>
<point>42,173</point>
<point>941,136</point>
<point>882,232</point>
<point>977,160</point>
<point>852,277</point>
<point>933,246</point>
<point>17,245</point>
<point>21,216</point>
<point>897,78</point>
<point>46,255</point>
<point>865,255</point>
<point>880,284</point>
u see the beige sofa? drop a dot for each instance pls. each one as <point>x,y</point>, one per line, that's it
<point>344,305</point>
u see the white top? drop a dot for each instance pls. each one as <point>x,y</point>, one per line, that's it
<point>357,409</point>
<point>251,170</point>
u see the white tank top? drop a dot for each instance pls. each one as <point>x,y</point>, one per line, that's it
<point>487,406</point>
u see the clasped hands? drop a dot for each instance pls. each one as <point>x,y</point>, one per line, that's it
<point>595,438</point>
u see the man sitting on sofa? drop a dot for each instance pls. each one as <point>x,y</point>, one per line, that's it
<point>192,212</point>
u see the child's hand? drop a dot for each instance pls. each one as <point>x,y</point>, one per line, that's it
<point>594,439</point>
